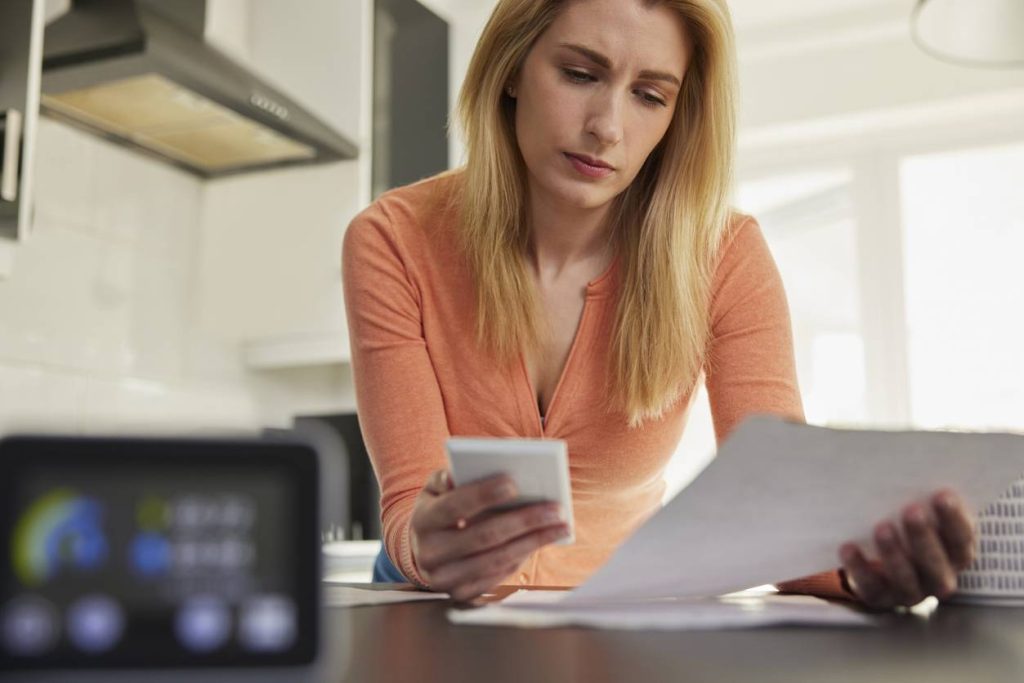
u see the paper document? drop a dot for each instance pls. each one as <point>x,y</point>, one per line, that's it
<point>780,498</point>
<point>348,596</point>
<point>775,504</point>
<point>529,610</point>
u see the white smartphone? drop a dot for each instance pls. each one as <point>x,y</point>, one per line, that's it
<point>539,467</point>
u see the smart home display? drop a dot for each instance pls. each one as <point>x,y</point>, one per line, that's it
<point>153,552</point>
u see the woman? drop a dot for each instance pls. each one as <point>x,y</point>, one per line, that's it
<point>575,281</point>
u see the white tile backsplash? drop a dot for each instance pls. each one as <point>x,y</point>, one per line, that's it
<point>56,310</point>
<point>36,399</point>
<point>132,405</point>
<point>126,309</point>
<point>97,326</point>
<point>65,182</point>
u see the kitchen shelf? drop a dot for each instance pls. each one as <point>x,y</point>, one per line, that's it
<point>294,351</point>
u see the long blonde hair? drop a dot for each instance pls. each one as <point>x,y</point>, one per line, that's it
<point>668,223</point>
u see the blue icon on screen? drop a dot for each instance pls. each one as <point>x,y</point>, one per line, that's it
<point>150,554</point>
<point>60,530</point>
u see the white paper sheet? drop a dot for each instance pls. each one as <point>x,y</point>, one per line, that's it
<point>347,596</point>
<point>533,610</point>
<point>780,498</point>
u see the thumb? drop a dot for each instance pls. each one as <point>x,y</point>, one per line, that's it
<point>440,481</point>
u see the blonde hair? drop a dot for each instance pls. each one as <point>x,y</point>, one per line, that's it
<point>668,223</point>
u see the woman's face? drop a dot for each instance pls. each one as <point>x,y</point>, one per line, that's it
<point>595,95</point>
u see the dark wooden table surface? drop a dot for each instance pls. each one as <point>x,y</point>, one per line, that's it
<point>415,642</point>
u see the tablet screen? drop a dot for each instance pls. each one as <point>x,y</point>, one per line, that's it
<point>133,552</point>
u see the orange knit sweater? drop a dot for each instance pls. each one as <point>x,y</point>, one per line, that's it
<point>420,377</point>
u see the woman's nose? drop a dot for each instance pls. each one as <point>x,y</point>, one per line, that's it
<point>605,120</point>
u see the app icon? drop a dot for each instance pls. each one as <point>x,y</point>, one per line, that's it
<point>150,554</point>
<point>28,626</point>
<point>267,623</point>
<point>203,623</point>
<point>60,530</point>
<point>153,514</point>
<point>95,623</point>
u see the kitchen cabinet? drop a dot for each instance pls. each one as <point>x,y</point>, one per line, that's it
<point>270,264</point>
<point>409,74</point>
<point>21,44</point>
<point>268,274</point>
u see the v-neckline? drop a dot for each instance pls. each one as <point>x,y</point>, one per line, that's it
<point>594,288</point>
<point>543,421</point>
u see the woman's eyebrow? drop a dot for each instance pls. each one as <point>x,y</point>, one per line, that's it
<point>606,63</point>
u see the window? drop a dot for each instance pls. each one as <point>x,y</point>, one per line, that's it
<point>963,217</point>
<point>905,281</point>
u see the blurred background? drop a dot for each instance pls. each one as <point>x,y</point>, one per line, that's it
<point>146,289</point>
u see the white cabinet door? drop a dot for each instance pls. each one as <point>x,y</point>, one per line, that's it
<point>21,35</point>
<point>269,275</point>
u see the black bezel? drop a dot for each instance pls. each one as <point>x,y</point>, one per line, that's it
<point>292,459</point>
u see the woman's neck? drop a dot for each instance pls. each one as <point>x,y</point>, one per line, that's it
<point>566,238</point>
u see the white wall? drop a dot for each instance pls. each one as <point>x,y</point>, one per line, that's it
<point>96,322</point>
<point>268,265</point>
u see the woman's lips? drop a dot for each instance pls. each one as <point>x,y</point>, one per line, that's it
<point>589,170</point>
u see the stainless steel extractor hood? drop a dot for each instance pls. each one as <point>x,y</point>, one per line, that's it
<point>140,73</point>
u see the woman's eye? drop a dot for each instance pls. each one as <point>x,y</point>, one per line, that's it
<point>651,100</point>
<point>578,76</point>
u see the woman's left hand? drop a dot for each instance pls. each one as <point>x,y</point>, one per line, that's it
<point>937,542</point>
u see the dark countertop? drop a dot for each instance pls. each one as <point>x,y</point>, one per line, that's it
<point>415,642</point>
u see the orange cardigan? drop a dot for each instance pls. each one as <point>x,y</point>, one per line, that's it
<point>419,377</point>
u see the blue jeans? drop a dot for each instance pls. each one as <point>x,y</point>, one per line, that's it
<point>385,571</point>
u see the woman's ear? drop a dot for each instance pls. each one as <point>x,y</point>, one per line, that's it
<point>511,83</point>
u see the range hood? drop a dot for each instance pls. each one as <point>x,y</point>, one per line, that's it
<point>140,73</point>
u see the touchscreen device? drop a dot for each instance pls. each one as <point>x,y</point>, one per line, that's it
<point>539,467</point>
<point>146,552</point>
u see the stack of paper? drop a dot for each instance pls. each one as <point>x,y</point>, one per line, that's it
<point>538,609</point>
<point>353,596</point>
<point>777,503</point>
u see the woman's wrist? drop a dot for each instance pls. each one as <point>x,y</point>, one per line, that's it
<point>408,553</point>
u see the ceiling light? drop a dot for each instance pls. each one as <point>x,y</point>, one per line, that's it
<point>971,32</point>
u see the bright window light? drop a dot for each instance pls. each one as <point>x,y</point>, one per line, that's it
<point>963,215</point>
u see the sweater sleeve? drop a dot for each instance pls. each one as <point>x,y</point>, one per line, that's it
<point>751,366</point>
<point>401,413</point>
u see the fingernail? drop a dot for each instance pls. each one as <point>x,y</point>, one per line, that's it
<point>885,533</point>
<point>915,515</point>
<point>506,491</point>
<point>847,554</point>
<point>551,516</point>
<point>947,501</point>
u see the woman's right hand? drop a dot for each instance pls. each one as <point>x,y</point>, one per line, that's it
<point>462,547</point>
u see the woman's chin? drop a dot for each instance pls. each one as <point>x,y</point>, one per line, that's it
<point>581,196</point>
